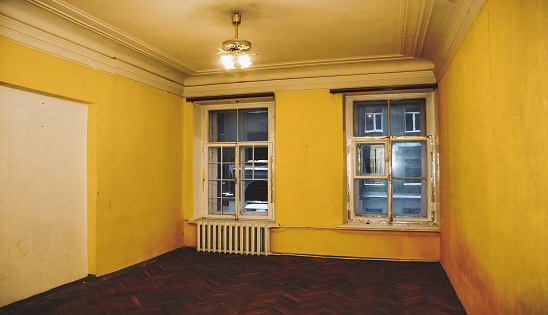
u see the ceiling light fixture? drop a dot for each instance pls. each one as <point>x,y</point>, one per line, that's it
<point>235,50</point>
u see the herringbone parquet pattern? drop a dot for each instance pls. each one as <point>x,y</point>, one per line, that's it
<point>187,282</point>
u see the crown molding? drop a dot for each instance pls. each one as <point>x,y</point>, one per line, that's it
<point>32,37</point>
<point>81,18</point>
<point>457,33</point>
<point>311,63</point>
<point>412,77</point>
<point>414,25</point>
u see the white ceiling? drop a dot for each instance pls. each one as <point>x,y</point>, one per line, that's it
<point>283,32</point>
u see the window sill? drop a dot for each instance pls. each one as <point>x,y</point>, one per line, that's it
<point>402,227</point>
<point>270,223</point>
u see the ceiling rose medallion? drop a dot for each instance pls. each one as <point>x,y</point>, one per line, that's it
<point>234,51</point>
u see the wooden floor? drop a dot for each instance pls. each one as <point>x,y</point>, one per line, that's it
<point>188,282</point>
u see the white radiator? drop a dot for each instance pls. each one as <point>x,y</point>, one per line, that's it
<point>233,237</point>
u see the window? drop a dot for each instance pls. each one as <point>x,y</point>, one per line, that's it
<point>238,151</point>
<point>391,164</point>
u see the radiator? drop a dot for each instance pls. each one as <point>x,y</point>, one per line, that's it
<point>233,237</point>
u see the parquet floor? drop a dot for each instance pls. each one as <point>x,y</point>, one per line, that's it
<point>188,282</point>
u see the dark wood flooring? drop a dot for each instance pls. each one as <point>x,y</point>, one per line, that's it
<point>188,282</point>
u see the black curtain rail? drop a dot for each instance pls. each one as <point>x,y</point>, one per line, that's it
<point>384,88</point>
<point>228,97</point>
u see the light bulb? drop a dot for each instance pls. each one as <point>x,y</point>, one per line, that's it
<point>244,60</point>
<point>228,61</point>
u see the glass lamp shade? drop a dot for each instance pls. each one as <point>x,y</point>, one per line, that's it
<point>228,61</point>
<point>244,60</point>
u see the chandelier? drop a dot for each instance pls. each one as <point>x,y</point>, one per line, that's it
<point>235,50</point>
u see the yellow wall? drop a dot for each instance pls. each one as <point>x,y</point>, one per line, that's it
<point>135,155</point>
<point>494,149</point>
<point>310,186</point>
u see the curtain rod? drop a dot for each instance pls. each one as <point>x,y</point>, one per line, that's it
<point>385,88</point>
<point>228,97</point>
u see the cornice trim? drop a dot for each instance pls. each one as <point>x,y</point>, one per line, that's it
<point>311,63</point>
<point>45,42</point>
<point>81,18</point>
<point>313,83</point>
<point>456,34</point>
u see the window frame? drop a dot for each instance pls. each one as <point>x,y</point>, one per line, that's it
<point>206,144</point>
<point>431,221</point>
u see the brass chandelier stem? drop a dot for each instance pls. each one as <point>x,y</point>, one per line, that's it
<point>236,19</point>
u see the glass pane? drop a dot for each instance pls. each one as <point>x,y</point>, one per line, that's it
<point>409,159</point>
<point>370,118</point>
<point>407,117</point>
<point>370,159</point>
<point>260,170</point>
<point>371,197</point>
<point>248,171</point>
<point>229,189</point>
<point>214,205</point>
<point>214,155</point>
<point>229,205</point>
<point>254,196</point>
<point>214,171</point>
<point>214,188</point>
<point>229,154</point>
<point>222,126</point>
<point>261,154</point>
<point>409,198</point>
<point>253,124</point>
<point>228,171</point>
<point>246,154</point>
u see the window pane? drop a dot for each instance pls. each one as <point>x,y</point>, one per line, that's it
<point>228,204</point>
<point>407,117</point>
<point>214,171</point>
<point>214,188</point>
<point>370,197</point>
<point>260,154</point>
<point>409,198</point>
<point>229,189</point>
<point>254,196</point>
<point>370,159</point>
<point>248,173</point>
<point>370,118</point>
<point>222,126</point>
<point>214,205</point>
<point>253,124</point>
<point>409,159</point>
<point>214,155</point>
<point>229,154</point>
<point>228,171</point>
<point>246,154</point>
<point>260,170</point>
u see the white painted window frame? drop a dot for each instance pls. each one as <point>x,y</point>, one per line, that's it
<point>431,221</point>
<point>244,104</point>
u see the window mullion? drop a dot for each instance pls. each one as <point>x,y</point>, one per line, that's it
<point>237,179</point>
<point>389,158</point>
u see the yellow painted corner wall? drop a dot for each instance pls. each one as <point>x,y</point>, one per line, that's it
<point>310,188</point>
<point>135,155</point>
<point>493,118</point>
